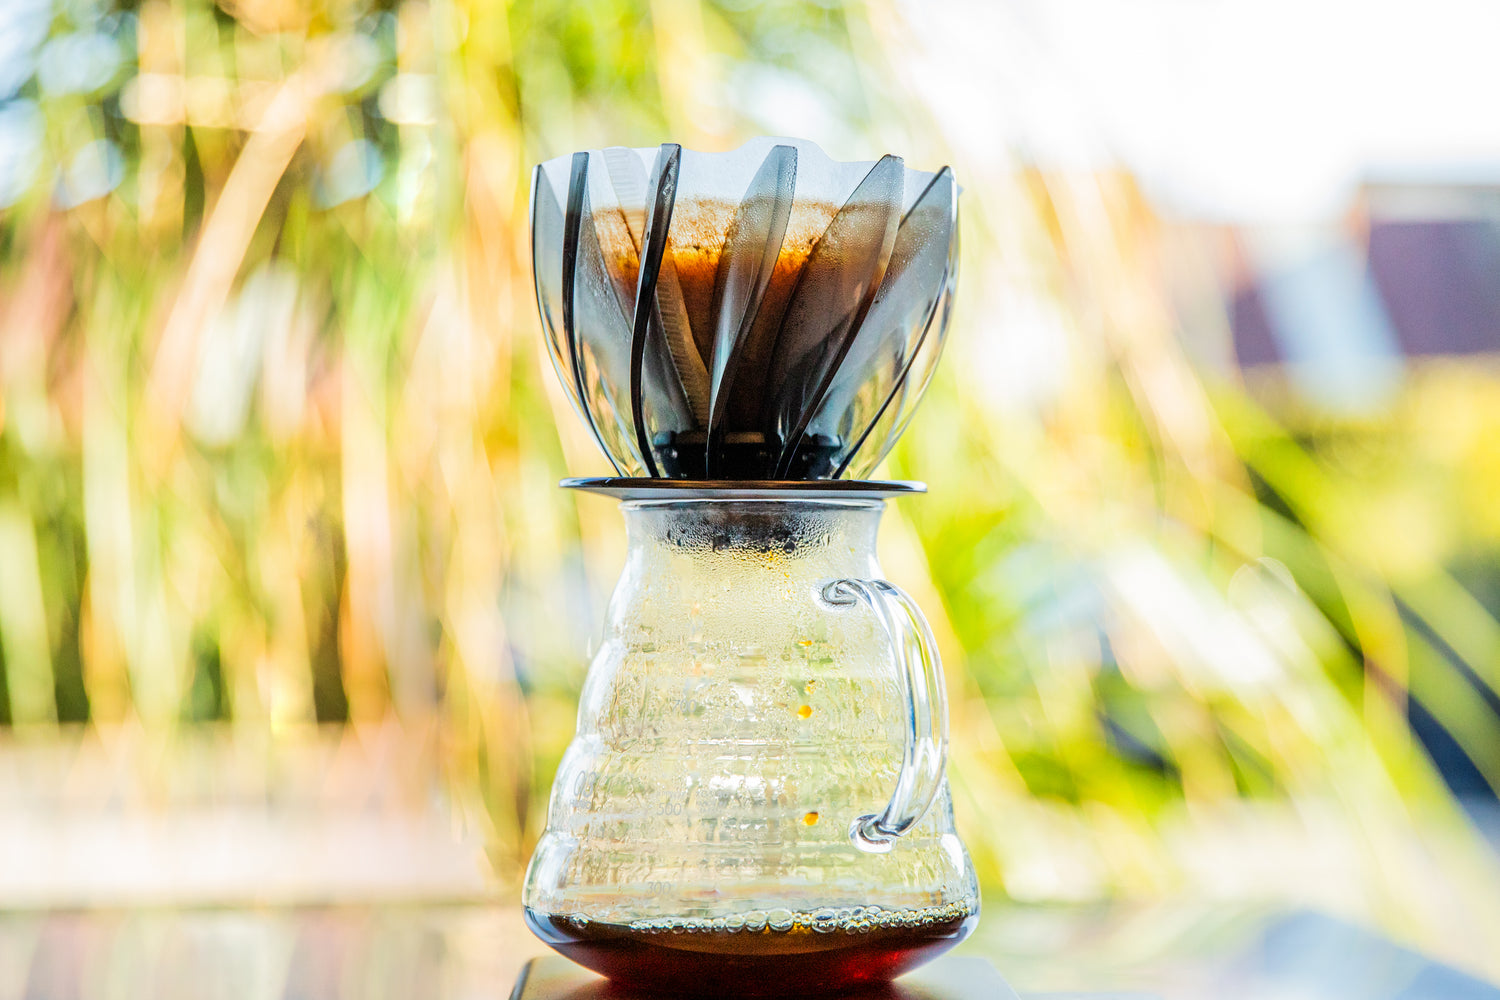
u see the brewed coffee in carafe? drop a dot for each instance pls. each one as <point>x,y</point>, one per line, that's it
<point>756,960</point>
<point>754,801</point>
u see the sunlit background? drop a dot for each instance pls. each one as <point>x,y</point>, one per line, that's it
<point>293,616</point>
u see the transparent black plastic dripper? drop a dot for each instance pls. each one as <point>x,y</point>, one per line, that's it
<point>766,314</point>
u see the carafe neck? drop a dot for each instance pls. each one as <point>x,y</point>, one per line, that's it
<point>836,537</point>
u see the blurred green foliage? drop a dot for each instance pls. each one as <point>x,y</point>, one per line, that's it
<point>278,448</point>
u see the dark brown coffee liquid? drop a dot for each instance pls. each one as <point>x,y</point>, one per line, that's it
<point>803,961</point>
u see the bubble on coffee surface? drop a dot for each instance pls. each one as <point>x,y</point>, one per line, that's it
<point>824,920</point>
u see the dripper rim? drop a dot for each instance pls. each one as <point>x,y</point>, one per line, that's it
<point>640,488</point>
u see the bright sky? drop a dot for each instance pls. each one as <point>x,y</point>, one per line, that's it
<point>1250,110</point>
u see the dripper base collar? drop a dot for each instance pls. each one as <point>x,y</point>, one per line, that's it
<point>625,488</point>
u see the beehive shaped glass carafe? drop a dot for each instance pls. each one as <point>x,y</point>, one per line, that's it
<point>755,798</point>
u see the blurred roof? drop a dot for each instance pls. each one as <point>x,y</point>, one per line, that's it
<point>1416,273</point>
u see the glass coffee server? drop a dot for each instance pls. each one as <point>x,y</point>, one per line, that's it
<point>755,798</point>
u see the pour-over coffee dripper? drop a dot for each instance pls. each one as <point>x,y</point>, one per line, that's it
<point>755,799</point>
<point>789,314</point>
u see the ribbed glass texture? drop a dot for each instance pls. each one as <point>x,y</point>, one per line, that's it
<point>732,727</point>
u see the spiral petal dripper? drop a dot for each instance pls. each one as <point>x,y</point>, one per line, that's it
<point>762,314</point>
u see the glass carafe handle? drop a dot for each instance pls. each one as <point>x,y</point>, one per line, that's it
<point>921,673</point>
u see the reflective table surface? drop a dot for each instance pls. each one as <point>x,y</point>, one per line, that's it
<point>467,952</point>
